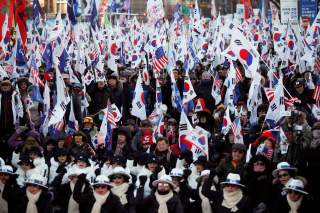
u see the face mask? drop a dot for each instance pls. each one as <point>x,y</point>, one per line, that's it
<point>100,117</point>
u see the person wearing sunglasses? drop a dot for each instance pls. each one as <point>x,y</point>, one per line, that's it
<point>235,163</point>
<point>122,188</point>
<point>296,199</point>
<point>258,180</point>
<point>282,175</point>
<point>35,197</point>
<point>98,200</point>
<point>163,200</point>
<point>231,198</point>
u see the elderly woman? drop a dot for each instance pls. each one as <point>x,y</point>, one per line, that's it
<point>36,197</point>
<point>296,199</point>
<point>122,188</point>
<point>282,175</point>
<point>163,200</point>
<point>231,199</point>
<point>101,199</point>
<point>9,189</point>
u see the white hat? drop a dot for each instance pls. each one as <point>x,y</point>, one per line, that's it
<point>119,171</point>
<point>37,179</point>
<point>164,179</point>
<point>295,185</point>
<point>176,172</point>
<point>283,166</point>
<point>203,173</point>
<point>102,180</point>
<point>73,172</point>
<point>6,169</point>
<point>233,179</point>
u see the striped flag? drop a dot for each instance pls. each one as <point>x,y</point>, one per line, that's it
<point>287,101</point>
<point>317,64</point>
<point>239,77</point>
<point>316,92</point>
<point>160,60</point>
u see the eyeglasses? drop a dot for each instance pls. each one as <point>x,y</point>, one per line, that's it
<point>258,164</point>
<point>230,185</point>
<point>118,177</point>
<point>293,192</point>
<point>163,184</point>
<point>238,150</point>
<point>100,186</point>
<point>3,174</point>
<point>283,175</point>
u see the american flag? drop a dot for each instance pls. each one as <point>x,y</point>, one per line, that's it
<point>287,101</point>
<point>59,126</point>
<point>217,82</point>
<point>110,116</point>
<point>160,60</point>
<point>316,92</point>
<point>239,77</point>
<point>35,77</point>
<point>317,64</point>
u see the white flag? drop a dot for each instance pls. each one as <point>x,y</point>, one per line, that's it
<point>138,102</point>
<point>188,92</point>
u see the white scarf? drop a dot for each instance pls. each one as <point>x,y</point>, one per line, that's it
<point>294,205</point>
<point>100,199</point>
<point>205,203</point>
<point>162,200</point>
<point>73,206</point>
<point>231,199</point>
<point>121,191</point>
<point>3,202</point>
<point>33,198</point>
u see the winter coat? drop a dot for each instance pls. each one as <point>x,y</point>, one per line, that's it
<point>166,159</point>
<point>305,207</point>
<point>86,201</point>
<point>150,178</point>
<point>225,167</point>
<point>11,192</point>
<point>43,204</point>
<point>55,167</point>
<point>23,176</point>
<point>151,205</point>
<point>99,99</point>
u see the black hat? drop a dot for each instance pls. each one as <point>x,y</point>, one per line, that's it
<point>202,160</point>
<point>119,160</point>
<point>187,155</point>
<point>125,131</point>
<point>35,150</point>
<point>61,152</point>
<point>299,82</point>
<point>143,159</point>
<point>83,158</point>
<point>107,155</point>
<point>239,146</point>
<point>152,159</point>
<point>24,159</point>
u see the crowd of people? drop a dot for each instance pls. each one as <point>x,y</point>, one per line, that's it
<point>69,173</point>
<point>224,131</point>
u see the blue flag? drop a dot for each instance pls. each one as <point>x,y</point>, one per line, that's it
<point>47,57</point>
<point>63,61</point>
<point>70,12</point>
<point>36,13</point>
<point>21,58</point>
<point>94,15</point>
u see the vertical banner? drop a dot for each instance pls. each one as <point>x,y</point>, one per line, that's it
<point>6,8</point>
<point>289,11</point>
<point>308,8</point>
<point>20,18</point>
<point>247,8</point>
